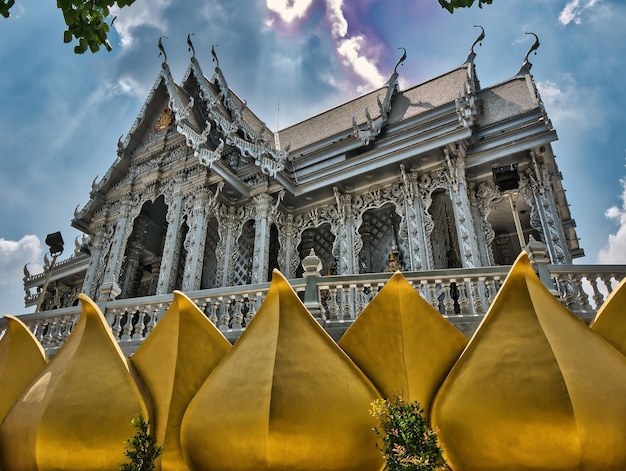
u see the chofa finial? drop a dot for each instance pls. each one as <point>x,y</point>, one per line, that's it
<point>401,61</point>
<point>534,47</point>
<point>213,53</point>
<point>190,44</point>
<point>162,49</point>
<point>472,54</point>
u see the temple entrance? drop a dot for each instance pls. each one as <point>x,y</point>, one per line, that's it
<point>209,265</point>
<point>142,258</point>
<point>506,245</point>
<point>444,238</point>
<point>379,233</point>
<point>321,240</point>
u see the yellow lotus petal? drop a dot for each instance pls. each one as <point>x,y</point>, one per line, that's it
<point>535,389</point>
<point>173,362</point>
<point>285,397</point>
<point>402,344</point>
<point>21,359</point>
<point>610,321</point>
<point>76,415</point>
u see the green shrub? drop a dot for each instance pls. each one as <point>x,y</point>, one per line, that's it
<point>408,442</point>
<point>142,449</point>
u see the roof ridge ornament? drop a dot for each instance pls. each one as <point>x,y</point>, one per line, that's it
<point>479,39</point>
<point>214,54</point>
<point>527,65</point>
<point>162,49</point>
<point>400,61</point>
<point>190,44</point>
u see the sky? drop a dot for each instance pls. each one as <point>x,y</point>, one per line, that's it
<point>61,114</point>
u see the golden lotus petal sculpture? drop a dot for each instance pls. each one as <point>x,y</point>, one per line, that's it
<point>173,362</point>
<point>21,359</point>
<point>284,397</point>
<point>535,389</point>
<point>610,321</point>
<point>76,414</point>
<point>402,344</point>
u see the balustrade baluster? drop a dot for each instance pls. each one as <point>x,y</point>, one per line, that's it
<point>448,302</point>
<point>116,328</point>
<point>252,307</point>
<point>583,297</point>
<point>224,313</point>
<point>434,299</point>
<point>477,299</point>
<point>127,329</point>
<point>237,313</point>
<point>140,326</point>
<point>213,306</point>
<point>569,297</point>
<point>360,300</point>
<point>152,318</point>
<point>598,297</point>
<point>463,300</point>
<point>333,306</point>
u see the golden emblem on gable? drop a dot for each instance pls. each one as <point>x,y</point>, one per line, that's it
<point>164,121</point>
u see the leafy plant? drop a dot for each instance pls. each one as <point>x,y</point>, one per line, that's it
<point>408,442</point>
<point>451,5</point>
<point>142,449</point>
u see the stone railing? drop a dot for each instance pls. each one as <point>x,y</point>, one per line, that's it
<point>463,296</point>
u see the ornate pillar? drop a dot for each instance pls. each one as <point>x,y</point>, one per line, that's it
<point>465,228</point>
<point>415,237</point>
<point>204,205</point>
<point>122,233</point>
<point>544,209</point>
<point>266,213</point>
<point>485,194</point>
<point>231,224</point>
<point>348,244</point>
<point>103,238</point>
<point>174,201</point>
<point>288,257</point>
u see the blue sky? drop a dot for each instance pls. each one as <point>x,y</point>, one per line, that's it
<point>61,114</point>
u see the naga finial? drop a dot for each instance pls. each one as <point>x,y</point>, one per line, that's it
<point>402,59</point>
<point>213,53</point>
<point>481,36</point>
<point>534,47</point>
<point>190,44</point>
<point>162,49</point>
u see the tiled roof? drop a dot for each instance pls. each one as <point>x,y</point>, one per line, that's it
<point>506,100</point>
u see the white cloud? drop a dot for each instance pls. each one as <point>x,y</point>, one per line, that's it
<point>573,11</point>
<point>13,256</point>
<point>565,101</point>
<point>141,13</point>
<point>351,50</point>
<point>289,10</point>
<point>337,20</point>
<point>615,249</point>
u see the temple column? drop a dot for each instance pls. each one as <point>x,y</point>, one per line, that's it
<point>463,215</point>
<point>230,226</point>
<point>545,210</point>
<point>196,238</point>
<point>415,237</point>
<point>99,253</point>
<point>123,231</point>
<point>288,257</point>
<point>170,247</point>
<point>348,243</point>
<point>261,238</point>
<point>483,195</point>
